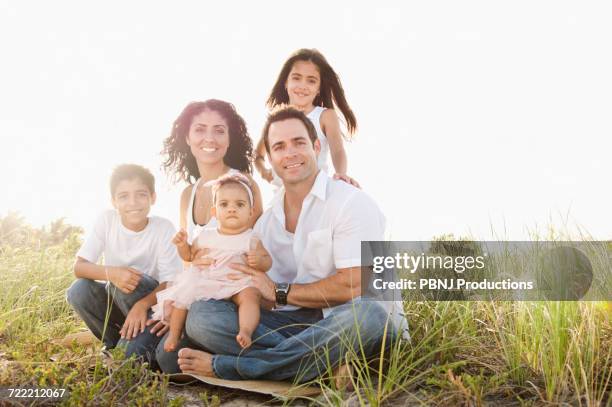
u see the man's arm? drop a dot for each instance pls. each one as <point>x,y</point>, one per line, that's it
<point>333,290</point>
<point>328,292</point>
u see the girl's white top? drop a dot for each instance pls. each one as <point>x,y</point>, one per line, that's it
<point>315,118</point>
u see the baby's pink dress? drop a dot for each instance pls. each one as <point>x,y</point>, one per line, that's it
<point>194,284</point>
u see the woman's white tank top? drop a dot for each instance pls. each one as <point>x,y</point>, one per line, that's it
<point>193,229</point>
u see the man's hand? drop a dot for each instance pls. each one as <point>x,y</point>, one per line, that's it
<point>347,179</point>
<point>158,326</point>
<point>259,280</point>
<point>135,322</point>
<point>125,279</point>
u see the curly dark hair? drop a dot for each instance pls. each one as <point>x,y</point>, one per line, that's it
<point>180,162</point>
<point>330,94</point>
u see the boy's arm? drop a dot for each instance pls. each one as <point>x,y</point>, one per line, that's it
<point>124,278</point>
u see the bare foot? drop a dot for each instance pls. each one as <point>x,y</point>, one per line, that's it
<point>342,377</point>
<point>170,344</point>
<point>243,339</point>
<point>195,362</point>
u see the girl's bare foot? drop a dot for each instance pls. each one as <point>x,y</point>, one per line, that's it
<point>170,344</point>
<point>243,339</point>
<point>195,362</point>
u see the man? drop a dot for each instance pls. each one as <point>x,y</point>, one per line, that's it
<point>313,232</point>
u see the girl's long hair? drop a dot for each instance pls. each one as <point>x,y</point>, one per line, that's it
<point>180,163</point>
<point>331,93</point>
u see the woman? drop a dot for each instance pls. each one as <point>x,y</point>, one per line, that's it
<point>208,140</point>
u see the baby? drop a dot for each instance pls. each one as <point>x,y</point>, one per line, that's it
<point>231,242</point>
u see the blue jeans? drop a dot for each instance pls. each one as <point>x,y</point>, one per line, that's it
<point>90,300</point>
<point>288,345</point>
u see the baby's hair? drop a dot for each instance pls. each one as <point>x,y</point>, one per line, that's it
<point>131,171</point>
<point>330,94</point>
<point>229,179</point>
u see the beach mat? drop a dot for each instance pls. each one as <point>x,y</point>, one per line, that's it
<point>283,390</point>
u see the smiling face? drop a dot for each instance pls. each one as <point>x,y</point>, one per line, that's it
<point>132,200</point>
<point>232,208</point>
<point>208,137</point>
<point>303,83</point>
<point>292,154</point>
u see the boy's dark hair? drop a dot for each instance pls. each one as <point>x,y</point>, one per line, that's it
<point>285,112</point>
<point>131,171</point>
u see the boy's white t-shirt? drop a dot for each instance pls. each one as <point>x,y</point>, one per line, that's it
<point>150,250</point>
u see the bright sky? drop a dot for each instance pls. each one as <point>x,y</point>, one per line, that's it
<point>473,115</point>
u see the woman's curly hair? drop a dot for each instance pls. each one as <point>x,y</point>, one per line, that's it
<point>179,161</point>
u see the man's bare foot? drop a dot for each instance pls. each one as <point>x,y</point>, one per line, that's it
<point>170,344</point>
<point>342,377</point>
<point>243,339</point>
<point>195,362</point>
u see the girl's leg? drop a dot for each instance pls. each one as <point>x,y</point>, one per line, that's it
<point>177,323</point>
<point>248,301</point>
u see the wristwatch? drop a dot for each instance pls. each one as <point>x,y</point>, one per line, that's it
<point>281,290</point>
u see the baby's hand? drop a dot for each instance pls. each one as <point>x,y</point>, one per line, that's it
<point>253,258</point>
<point>180,239</point>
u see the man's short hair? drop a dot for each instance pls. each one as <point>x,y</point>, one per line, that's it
<point>131,171</point>
<point>286,112</point>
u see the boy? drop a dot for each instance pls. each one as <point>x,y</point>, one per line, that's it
<point>138,256</point>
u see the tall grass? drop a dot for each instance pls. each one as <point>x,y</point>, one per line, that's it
<point>461,353</point>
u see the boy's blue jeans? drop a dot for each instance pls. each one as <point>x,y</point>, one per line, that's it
<point>287,345</point>
<point>89,298</point>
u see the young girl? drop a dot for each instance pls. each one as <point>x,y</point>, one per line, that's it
<point>309,83</point>
<point>225,244</point>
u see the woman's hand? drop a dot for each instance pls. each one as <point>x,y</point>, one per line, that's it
<point>259,280</point>
<point>135,322</point>
<point>201,260</point>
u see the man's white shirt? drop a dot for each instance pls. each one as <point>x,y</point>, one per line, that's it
<point>334,219</point>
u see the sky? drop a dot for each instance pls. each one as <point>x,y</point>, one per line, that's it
<point>477,118</point>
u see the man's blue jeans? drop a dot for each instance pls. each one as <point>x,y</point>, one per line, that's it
<point>288,345</point>
<point>89,298</point>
